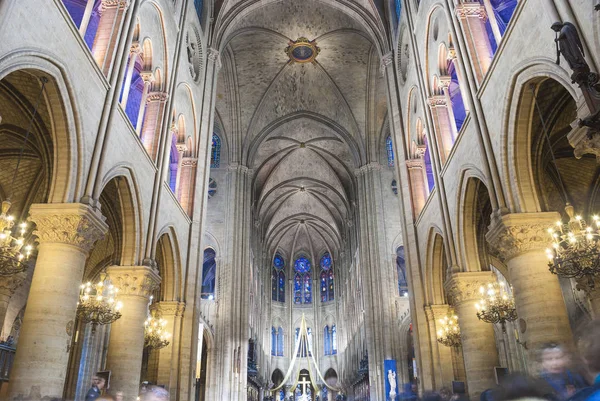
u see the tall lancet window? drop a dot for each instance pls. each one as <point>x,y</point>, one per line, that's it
<point>330,340</point>
<point>302,350</point>
<point>401,267</point>
<point>215,151</point>
<point>389,146</point>
<point>302,282</point>
<point>277,341</point>
<point>327,291</point>
<point>278,279</point>
<point>209,274</point>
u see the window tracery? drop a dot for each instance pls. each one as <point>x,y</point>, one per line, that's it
<point>278,279</point>
<point>302,281</point>
<point>326,278</point>
<point>215,152</point>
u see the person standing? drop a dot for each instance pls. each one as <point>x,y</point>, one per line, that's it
<point>564,382</point>
<point>95,391</point>
<point>589,346</point>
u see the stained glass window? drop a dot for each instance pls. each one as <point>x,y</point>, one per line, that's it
<point>215,152</point>
<point>209,274</point>
<point>327,340</point>
<point>333,340</point>
<point>198,7</point>
<point>302,281</point>
<point>390,151</point>
<point>398,4</point>
<point>273,341</point>
<point>302,350</point>
<point>212,188</point>
<point>278,279</point>
<point>326,278</point>
<point>173,165</point>
<point>280,342</point>
<point>456,99</point>
<point>395,187</point>
<point>401,267</point>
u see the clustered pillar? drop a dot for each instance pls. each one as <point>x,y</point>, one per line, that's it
<point>66,233</point>
<point>136,284</point>
<point>522,239</point>
<point>478,341</point>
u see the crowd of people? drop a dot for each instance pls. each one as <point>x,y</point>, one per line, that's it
<point>557,380</point>
<point>98,392</point>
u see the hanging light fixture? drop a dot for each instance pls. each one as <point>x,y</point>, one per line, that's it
<point>575,251</point>
<point>98,302</point>
<point>14,250</point>
<point>449,332</point>
<point>155,335</point>
<point>496,305</point>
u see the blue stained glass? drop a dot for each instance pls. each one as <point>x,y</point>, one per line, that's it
<point>274,292</point>
<point>281,296</point>
<point>273,341</point>
<point>334,339</point>
<point>324,393</point>
<point>209,274</point>
<point>330,289</point>
<point>297,289</point>
<point>198,6</point>
<point>215,152</point>
<point>428,166</point>
<point>327,342</point>
<point>280,342</point>
<point>324,286</point>
<point>278,261</point>
<point>395,187</point>
<point>326,261</point>
<point>307,289</point>
<point>389,145</point>
<point>398,9</point>
<point>456,99</point>
<point>302,265</point>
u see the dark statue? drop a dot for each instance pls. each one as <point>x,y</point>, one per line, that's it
<point>569,46</point>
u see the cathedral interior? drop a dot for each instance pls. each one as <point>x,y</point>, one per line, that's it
<point>285,200</point>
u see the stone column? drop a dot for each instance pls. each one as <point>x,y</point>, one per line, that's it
<point>443,366</point>
<point>66,233</point>
<point>593,294</point>
<point>85,20</point>
<point>8,286</point>
<point>124,359</point>
<point>478,341</point>
<point>186,187</point>
<point>168,357</point>
<point>443,128</point>
<point>150,130</point>
<point>417,174</point>
<point>522,239</point>
<point>109,26</point>
<point>148,78</point>
<point>473,17</point>
<point>134,52</point>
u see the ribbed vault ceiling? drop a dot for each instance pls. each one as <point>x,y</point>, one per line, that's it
<point>301,128</point>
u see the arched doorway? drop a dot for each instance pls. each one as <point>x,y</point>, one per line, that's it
<point>201,365</point>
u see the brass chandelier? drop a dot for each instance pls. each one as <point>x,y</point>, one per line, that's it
<point>98,303</point>
<point>14,250</point>
<point>496,305</point>
<point>575,251</point>
<point>155,335</point>
<point>449,332</point>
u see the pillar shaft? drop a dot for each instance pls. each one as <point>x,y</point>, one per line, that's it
<point>473,17</point>
<point>443,129</point>
<point>417,176</point>
<point>168,359</point>
<point>126,346</point>
<point>478,341</point>
<point>150,129</point>
<point>521,239</point>
<point>443,366</point>
<point>8,286</point>
<point>66,233</point>
<point>134,51</point>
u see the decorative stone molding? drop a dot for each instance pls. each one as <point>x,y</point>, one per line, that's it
<point>115,3</point>
<point>420,151</point>
<point>517,233</point>
<point>68,223</point>
<point>135,48</point>
<point>215,56</point>
<point>582,142</point>
<point>415,164</point>
<point>171,308</point>
<point>437,101</point>
<point>138,281</point>
<point>386,61</point>
<point>441,311</point>
<point>181,147</point>
<point>157,97</point>
<point>464,287</point>
<point>147,76</point>
<point>467,10</point>
<point>189,162</point>
<point>367,168</point>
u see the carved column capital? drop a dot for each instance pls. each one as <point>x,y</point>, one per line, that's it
<point>437,101</point>
<point>189,162</point>
<point>171,308</point>
<point>464,287</point>
<point>138,281</point>
<point>386,61</point>
<point>215,56</point>
<point>415,164</point>
<point>135,48</point>
<point>513,234</point>
<point>474,9</point>
<point>367,168</point>
<point>68,223</point>
<point>157,97</point>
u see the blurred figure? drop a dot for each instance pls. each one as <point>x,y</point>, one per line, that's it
<point>555,372</point>
<point>97,385</point>
<point>520,387</point>
<point>589,346</point>
<point>409,393</point>
<point>445,394</point>
<point>431,396</point>
<point>119,396</point>
<point>105,397</point>
<point>486,395</point>
<point>154,393</point>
